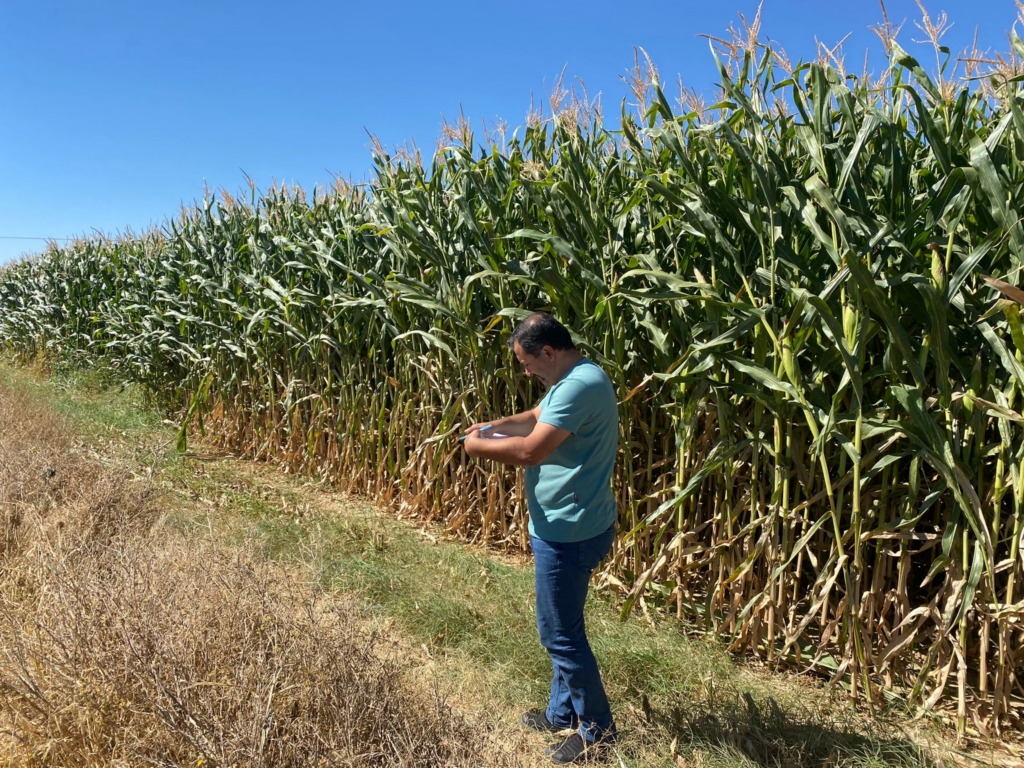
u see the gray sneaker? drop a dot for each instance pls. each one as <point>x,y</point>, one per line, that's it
<point>576,749</point>
<point>538,721</point>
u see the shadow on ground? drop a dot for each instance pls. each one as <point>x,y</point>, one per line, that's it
<point>738,730</point>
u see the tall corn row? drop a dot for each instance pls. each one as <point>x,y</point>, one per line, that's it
<point>821,452</point>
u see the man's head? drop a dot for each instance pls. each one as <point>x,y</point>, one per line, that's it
<point>544,348</point>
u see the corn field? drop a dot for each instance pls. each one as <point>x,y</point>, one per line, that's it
<point>804,295</point>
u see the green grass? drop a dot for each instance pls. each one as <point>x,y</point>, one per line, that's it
<point>477,613</point>
<point>470,605</point>
<point>472,610</point>
<point>92,403</point>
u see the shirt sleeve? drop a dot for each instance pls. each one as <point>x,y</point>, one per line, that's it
<point>567,406</point>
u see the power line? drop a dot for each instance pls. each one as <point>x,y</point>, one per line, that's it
<point>17,237</point>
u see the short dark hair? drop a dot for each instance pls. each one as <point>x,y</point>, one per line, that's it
<point>541,330</point>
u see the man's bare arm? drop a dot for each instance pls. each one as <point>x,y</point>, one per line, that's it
<point>518,425</point>
<point>527,451</point>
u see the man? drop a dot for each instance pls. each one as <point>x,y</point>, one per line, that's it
<point>567,444</point>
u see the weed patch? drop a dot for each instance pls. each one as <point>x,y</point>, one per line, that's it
<point>123,641</point>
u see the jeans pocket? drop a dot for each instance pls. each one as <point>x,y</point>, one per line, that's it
<point>593,551</point>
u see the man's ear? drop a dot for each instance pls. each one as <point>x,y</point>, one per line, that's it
<point>548,352</point>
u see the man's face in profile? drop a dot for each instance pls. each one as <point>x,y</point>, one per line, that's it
<point>541,365</point>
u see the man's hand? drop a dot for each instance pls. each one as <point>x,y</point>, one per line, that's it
<point>476,428</point>
<point>470,443</point>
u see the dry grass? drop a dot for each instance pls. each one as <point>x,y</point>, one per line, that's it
<point>124,644</point>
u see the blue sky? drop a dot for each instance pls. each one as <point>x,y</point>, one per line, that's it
<point>113,113</point>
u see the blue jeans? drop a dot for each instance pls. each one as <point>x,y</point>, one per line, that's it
<point>562,574</point>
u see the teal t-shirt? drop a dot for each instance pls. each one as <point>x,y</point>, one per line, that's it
<point>569,493</point>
